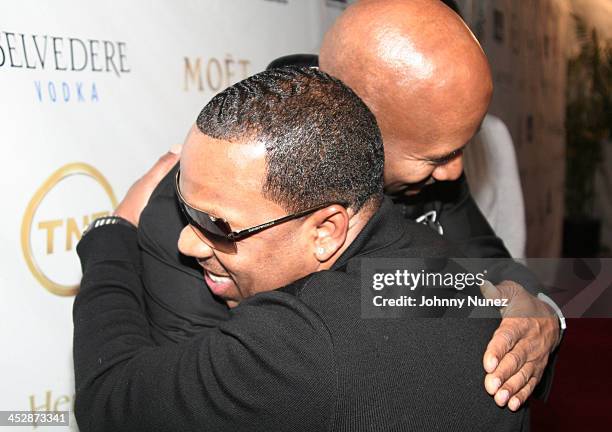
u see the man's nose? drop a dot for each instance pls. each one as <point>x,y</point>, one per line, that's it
<point>191,245</point>
<point>449,171</point>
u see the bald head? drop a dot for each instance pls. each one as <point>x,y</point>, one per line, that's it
<point>423,74</point>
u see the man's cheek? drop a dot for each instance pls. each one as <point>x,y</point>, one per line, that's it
<point>280,267</point>
<point>247,269</point>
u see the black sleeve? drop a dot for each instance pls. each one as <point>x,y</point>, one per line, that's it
<point>269,367</point>
<point>468,231</point>
<point>466,228</point>
<point>189,307</point>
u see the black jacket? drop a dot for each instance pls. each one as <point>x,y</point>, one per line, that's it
<point>297,359</point>
<point>453,210</point>
<point>184,311</point>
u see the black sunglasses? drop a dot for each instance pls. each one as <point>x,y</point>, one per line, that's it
<point>216,232</point>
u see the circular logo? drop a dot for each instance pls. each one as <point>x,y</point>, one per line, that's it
<point>54,220</point>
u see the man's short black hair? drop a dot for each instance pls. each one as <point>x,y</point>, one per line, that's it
<point>322,142</point>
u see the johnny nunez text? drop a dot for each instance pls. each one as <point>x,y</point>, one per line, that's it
<point>424,301</point>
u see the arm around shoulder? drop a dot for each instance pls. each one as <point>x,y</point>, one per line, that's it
<point>269,367</point>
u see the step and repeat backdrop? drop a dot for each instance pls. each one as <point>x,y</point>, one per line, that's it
<point>91,94</point>
<point>527,45</point>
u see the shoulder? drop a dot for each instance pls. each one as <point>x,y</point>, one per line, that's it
<point>280,327</point>
<point>276,352</point>
<point>280,313</point>
<point>423,242</point>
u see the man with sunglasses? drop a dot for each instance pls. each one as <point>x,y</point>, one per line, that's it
<point>281,181</point>
<point>427,110</point>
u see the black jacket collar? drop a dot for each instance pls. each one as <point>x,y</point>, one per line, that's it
<point>385,228</point>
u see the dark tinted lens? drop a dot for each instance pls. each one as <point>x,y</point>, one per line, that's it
<point>213,233</point>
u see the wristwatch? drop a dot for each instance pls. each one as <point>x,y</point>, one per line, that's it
<point>107,220</point>
<point>550,302</point>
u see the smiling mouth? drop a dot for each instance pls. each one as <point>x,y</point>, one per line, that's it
<point>219,285</point>
<point>217,278</point>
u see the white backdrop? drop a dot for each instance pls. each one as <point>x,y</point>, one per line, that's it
<point>91,94</point>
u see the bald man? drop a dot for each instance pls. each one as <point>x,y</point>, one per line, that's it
<point>303,158</point>
<point>425,77</point>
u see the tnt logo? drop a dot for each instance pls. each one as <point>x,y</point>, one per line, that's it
<point>67,228</point>
<point>54,220</point>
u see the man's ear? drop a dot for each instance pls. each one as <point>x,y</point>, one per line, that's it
<point>330,226</point>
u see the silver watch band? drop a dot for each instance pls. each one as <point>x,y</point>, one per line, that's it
<point>107,220</point>
<point>550,302</point>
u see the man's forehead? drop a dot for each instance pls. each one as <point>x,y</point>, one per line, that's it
<point>448,155</point>
<point>221,176</point>
<point>208,156</point>
<point>201,146</point>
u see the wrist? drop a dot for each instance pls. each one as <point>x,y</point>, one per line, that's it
<point>556,312</point>
<point>101,243</point>
<point>108,220</point>
<point>125,215</point>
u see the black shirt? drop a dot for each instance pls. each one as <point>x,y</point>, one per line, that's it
<point>186,309</point>
<point>181,312</point>
<point>297,359</point>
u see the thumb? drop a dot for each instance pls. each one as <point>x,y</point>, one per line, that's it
<point>165,164</point>
<point>504,290</point>
<point>489,291</point>
<point>176,149</point>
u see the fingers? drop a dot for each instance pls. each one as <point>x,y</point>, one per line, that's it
<point>514,384</point>
<point>519,386</point>
<point>509,291</point>
<point>159,170</point>
<point>504,339</point>
<point>518,351</point>
<point>504,290</point>
<point>165,163</point>
<point>519,399</point>
<point>509,366</point>
<point>516,376</point>
<point>176,149</point>
<point>132,205</point>
<point>489,291</point>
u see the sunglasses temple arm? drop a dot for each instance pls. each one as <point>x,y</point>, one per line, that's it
<point>237,235</point>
